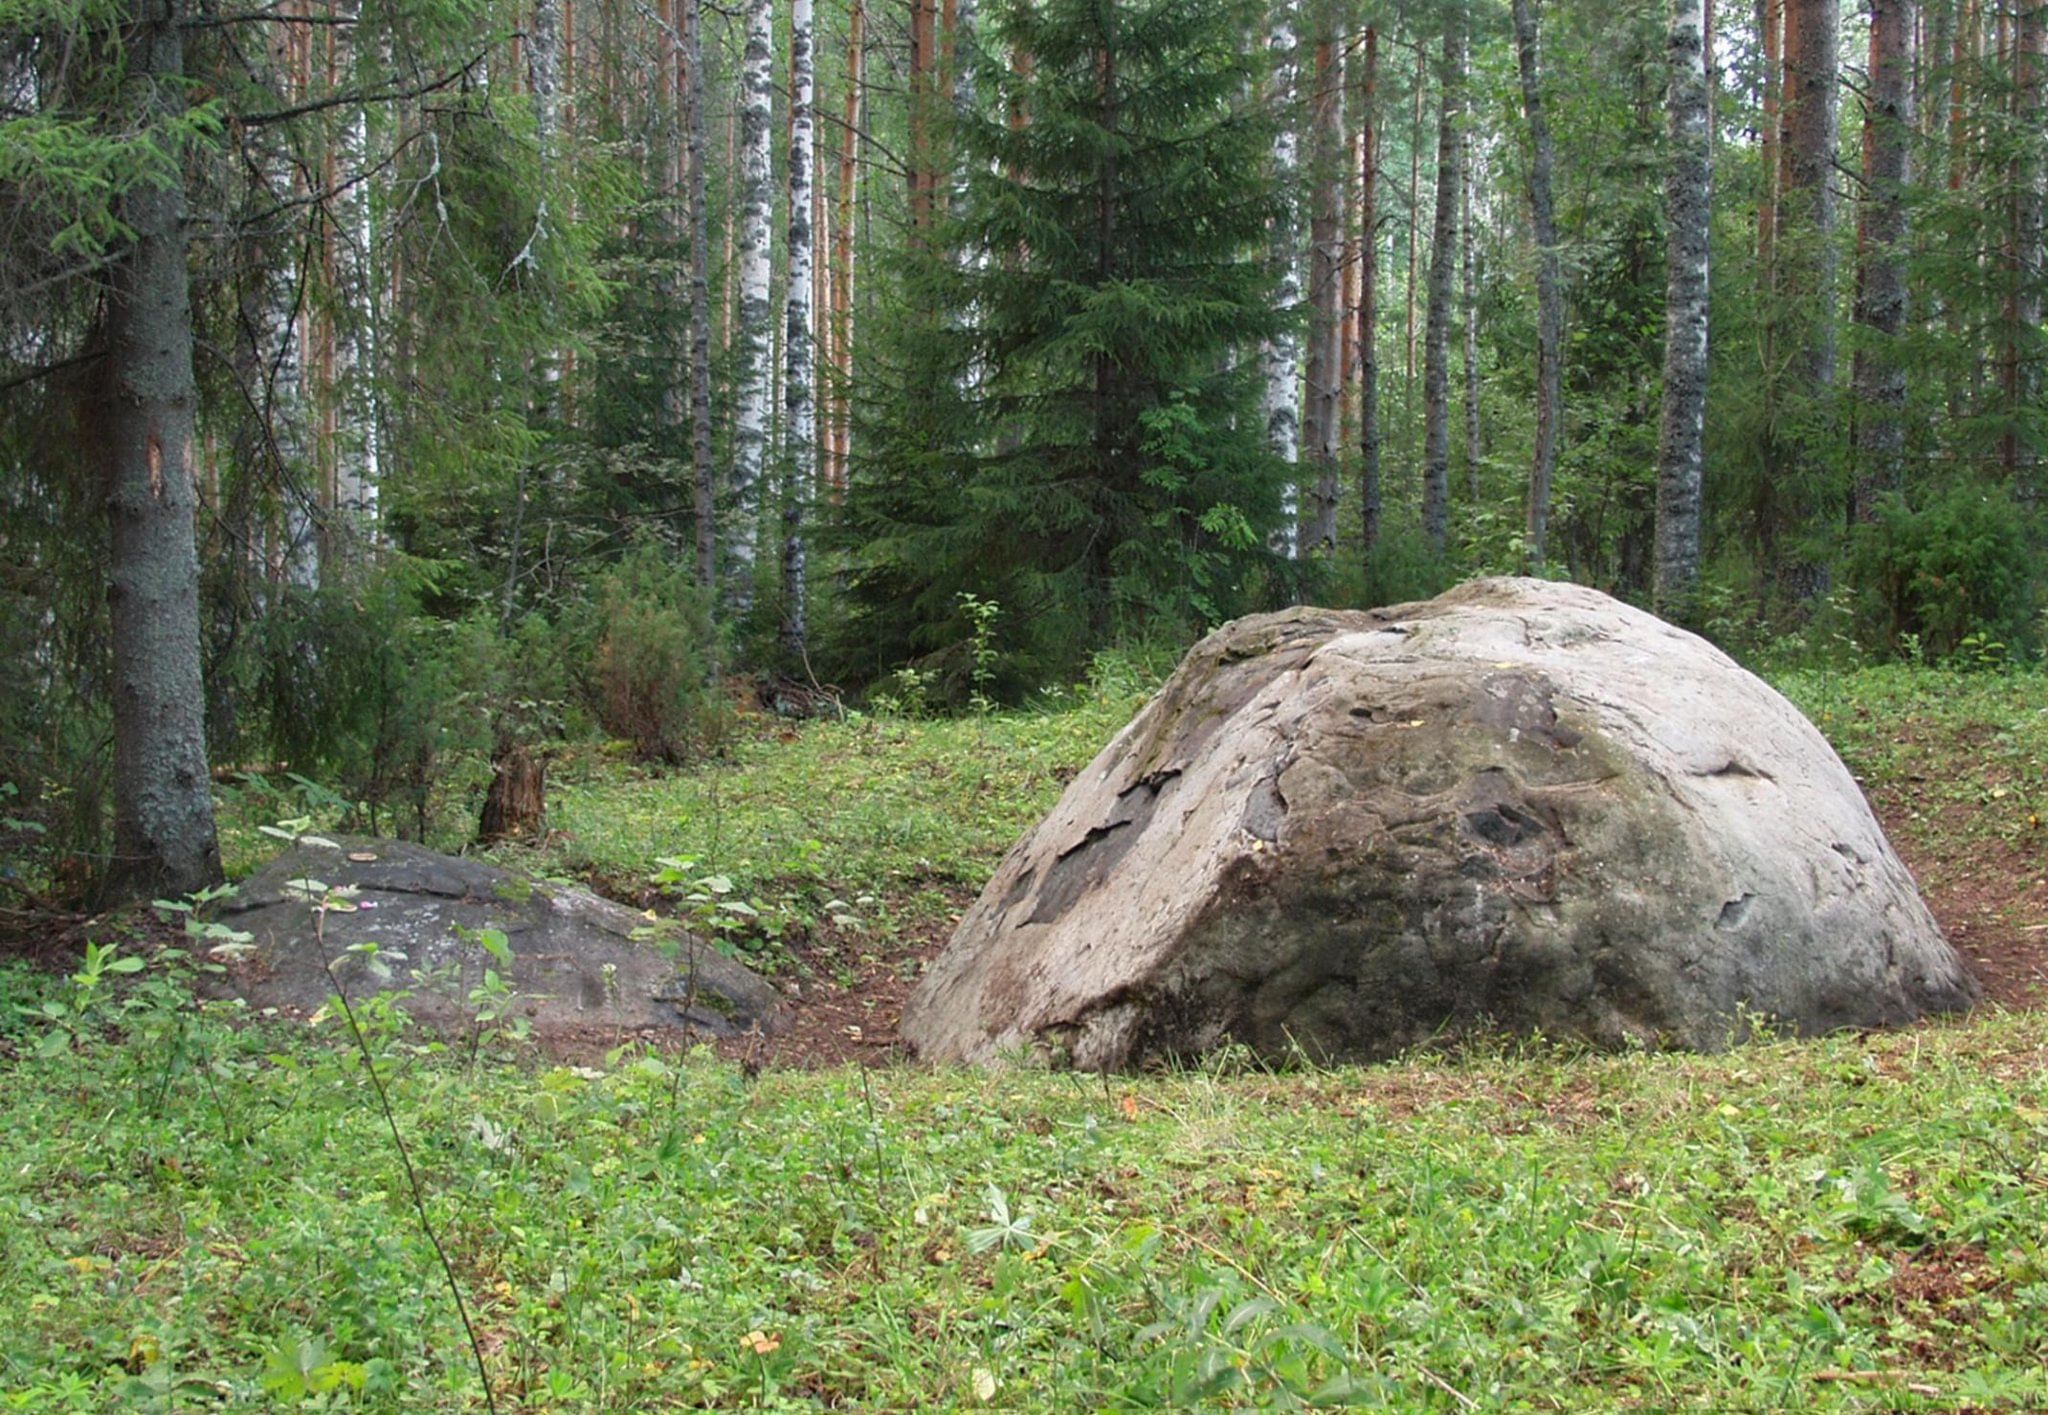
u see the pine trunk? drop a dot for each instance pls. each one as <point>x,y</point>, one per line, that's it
<point>756,349</point>
<point>799,377</point>
<point>1469,313</point>
<point>1326,175</point>
<point>1369,301</point>
<point>1549,285</point>
<point>164,839</point>
<point>1443,258</point>
<point>1687,193</point>
<point>1812,36</point>
<point>1879,374</point>
<point>704,495</point>
<point>2022,374</point>
<point>842,245</point>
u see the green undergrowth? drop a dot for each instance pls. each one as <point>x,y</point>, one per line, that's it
<point>1966,752</point>
<point>195,1215</point>
<point>1854,1224</point>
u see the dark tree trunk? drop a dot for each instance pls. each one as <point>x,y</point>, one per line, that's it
<point>1443,259</point>
<point>1326,175</point>
<point>1687,192</point>
<point>1807,197</point>
<point>516,805</point>
<point>1879,374</point>
<point>2022,371</point>
<point>1369,299</point>
<point>164,839</point>
<point>1549,292</point>
<point>703,487</point>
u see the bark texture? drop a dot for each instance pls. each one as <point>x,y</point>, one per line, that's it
<point>1549,284</point>
<point>1688,186</point>
<point>703,483</point>
<point>1879,374</point>
<point>1325,282</point>
<point>1443,259</point>
<point>1280,356</point>
<point>799,374</point>
<point>756,350</point>
<point>164,838</point>
<point>1369,300</point>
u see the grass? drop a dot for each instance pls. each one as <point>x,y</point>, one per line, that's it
<point>195,1215</point>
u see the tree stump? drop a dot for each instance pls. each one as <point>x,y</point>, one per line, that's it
<point>516,804</point>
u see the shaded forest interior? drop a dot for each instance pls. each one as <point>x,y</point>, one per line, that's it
<point>394,390</point>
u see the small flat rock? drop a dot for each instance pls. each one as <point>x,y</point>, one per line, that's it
<point>574,959</point>
<point>1521,807</point>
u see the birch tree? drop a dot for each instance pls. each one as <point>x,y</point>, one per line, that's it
<point>1687,196</point>
<point>1280,355</point>
<point>799,374</point>
<point>757,371</point>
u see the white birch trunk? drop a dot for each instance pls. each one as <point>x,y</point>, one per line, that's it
<point>1280,356</point>
<point>356,467</point>
<point>757,371</point>
<point>799,327</point>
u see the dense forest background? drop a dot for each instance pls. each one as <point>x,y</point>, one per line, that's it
<point>392,390</point>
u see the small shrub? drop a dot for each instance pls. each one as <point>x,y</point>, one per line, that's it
<point>649,655</point>
<point>1953,573</point>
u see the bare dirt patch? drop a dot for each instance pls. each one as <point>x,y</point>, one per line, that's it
<point>1990,896</point>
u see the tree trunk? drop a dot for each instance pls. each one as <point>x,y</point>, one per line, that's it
<point>1812,36</point>
<point>164,839</point>
<point>1280,356</point>
<point>2022,372</point>
<point>757,371</point>
<point>842,242</point>
<point>1326,175</point>
<point>924,64</point>
<point>1469,307</point>
<point>1688,198</point>
<point>1879,374</point>
<point>1806,264</point>
<point>515,806</point>
<point>704,496</point>
<point>1549,286</point>
<point>1771,23</point>
<point>798,378</point>
<point>1443,258</point>
<point>1368,302</point>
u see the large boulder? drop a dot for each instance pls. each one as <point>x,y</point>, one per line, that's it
<point>1520,806</point>
<point>574,960</point>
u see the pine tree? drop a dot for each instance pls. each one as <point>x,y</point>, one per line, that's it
<point>1107,465</point>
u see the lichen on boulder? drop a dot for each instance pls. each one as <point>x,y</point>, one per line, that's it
<point>1522,807</point>
<point>412,920</point>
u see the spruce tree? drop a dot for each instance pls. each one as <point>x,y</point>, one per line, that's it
<point>1080,438</point>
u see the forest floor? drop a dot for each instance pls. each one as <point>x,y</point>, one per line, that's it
<point>1955,767</point>
<point>200,1213</point>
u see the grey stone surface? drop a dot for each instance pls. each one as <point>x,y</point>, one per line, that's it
<point>1520,806</point>
<point>574,960</point>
